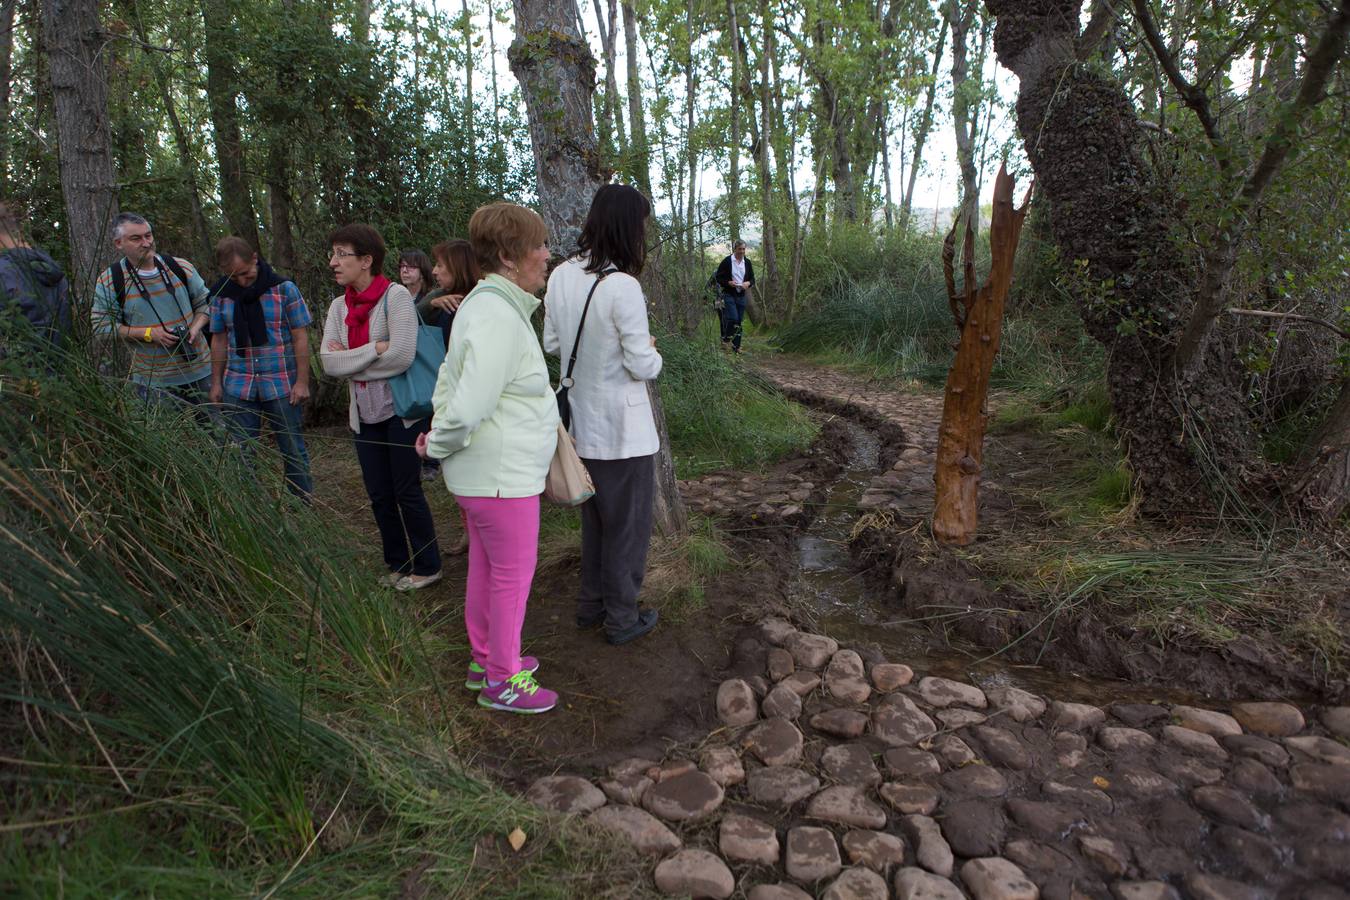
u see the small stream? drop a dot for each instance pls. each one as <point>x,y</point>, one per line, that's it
<point>848,609</point>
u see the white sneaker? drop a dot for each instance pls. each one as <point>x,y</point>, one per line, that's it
<point>406,583</point>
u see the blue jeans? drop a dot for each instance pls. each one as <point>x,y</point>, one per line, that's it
<point>190,396</point>
<point>733,312</point>
<point>245,418</point>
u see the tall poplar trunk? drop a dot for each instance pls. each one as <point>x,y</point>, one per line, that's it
<point>222,94</point>
<point>961,16</point>
<point>734,148</point>
<point>556,73</point>
<point>613,131</point>
<point>637,126</point>
<point>79,81</point>
<point>768,291</point>
<point>925,125</point>
<point>690,148</point>
<point>7,8</point>
<point>467,139</point>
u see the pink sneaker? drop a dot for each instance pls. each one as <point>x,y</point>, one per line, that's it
<point>477,676</point>
<point>518,694</point>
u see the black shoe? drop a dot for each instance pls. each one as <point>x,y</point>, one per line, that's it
<point>585,623</point>
<point>645,623</point>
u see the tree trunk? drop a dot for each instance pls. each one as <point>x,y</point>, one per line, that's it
<point>1185,442</point>
<point>734,147</point>
<point>768,291</point>
<point>467,139</point>
<point>690,147</point>
<point>556,72</point>
<point>557,78</point>
<point>925,125</point>
<point>222,95</point>
<point>1321,483</point>
<point>979,317</point>
<point>961,16</point>
<point>7,8</point>
<point>637,124</point>
<point>75,44</point>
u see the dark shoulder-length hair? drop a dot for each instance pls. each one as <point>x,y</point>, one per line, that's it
<point>615,230</point>
<point>423,264</point>
<point>457,257</point>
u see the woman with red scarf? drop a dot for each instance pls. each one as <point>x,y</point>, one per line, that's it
<point>370,336</point>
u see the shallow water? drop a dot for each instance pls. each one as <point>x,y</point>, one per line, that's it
<point>850,610</point>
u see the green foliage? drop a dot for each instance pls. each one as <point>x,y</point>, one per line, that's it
<point>253,687</point>
<point>720,415</point>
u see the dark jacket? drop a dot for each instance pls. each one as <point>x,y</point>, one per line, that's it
<point>32,285</point>
<point>723,276</point>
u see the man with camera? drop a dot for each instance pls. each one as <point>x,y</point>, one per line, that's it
<point>159,306</point>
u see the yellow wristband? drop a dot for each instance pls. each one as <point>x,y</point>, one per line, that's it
<point>146,338</point>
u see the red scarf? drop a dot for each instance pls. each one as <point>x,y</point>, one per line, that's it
<point>359,307</point>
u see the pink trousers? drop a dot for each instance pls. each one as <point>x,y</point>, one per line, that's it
<point>503,550</point>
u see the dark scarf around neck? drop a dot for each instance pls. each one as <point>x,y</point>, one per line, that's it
<point>250,326</point>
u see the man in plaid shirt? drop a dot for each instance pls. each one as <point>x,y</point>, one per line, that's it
<point>260,355</point>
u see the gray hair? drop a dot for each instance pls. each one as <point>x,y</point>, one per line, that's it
<point>738,244</point>
<point>126,219</point>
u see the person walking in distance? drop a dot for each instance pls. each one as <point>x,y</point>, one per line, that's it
<point>735,276</point>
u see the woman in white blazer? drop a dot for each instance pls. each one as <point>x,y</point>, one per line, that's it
<point>611,414</point>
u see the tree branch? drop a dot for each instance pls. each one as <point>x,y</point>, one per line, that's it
<point>1193,97</point>
<point>1321,63</point>
<point>1271,314</point>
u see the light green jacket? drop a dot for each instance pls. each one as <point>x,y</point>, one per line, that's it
<point>494,419</point>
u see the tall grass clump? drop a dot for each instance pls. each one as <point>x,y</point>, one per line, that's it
<point>721,415</point>
<point>193,654</point>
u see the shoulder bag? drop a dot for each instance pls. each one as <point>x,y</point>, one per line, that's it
<point>412,389</point>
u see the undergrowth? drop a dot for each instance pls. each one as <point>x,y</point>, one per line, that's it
<point>720,414</point>
<point>205,692</point>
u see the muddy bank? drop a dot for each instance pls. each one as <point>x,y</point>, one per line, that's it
<point>648,696</point>
<point>931,588</point>
<point>916,580</point>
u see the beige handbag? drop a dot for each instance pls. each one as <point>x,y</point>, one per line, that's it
<point>567,483</point>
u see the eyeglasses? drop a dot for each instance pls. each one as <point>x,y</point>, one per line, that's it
<point>343,254</point>
<point>407,266</point>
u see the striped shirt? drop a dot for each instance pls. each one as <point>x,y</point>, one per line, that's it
<point>150,301</point>
<point>267,372</point>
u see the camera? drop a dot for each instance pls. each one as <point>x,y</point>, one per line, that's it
<point>184,345</point>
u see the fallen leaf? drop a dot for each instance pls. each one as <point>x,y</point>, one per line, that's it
<point>1100,782</point>
<point>517,839</point>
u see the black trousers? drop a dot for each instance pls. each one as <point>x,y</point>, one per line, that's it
<point>392,471</point>
<point>616,528</point>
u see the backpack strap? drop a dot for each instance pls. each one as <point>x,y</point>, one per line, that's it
<point>119,283</point>
<point>566,381</point>
<point>172,262</point>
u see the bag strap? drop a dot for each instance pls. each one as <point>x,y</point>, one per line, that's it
<point>566,381</point>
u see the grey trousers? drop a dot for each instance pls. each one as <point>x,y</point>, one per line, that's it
<point>616,527</point>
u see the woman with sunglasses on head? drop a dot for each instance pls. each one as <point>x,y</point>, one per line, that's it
<point>370,336</point>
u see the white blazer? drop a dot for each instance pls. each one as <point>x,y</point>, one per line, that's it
<point>611,413</point>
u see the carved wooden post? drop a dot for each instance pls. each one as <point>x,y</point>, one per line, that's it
<point>979,318</point>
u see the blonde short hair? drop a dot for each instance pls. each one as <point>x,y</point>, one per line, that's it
<point>504,230</point>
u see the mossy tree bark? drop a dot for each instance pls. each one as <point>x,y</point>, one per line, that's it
<point>557,77</point>
<point>75,44</point>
